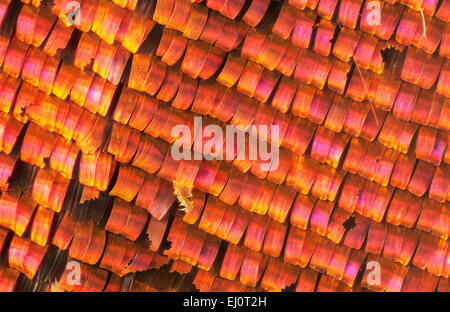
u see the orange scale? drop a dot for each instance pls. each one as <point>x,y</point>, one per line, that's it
<point>187,172</point>
<point>9,278</point>
<point>176,118</point>
<point>322,187</point>
<point>405,101</point>
<point>81,240</point>
<point>238,227</point>
<point>170,85</point>
<point>353,266</point>
<point>126,105</point>
<point>140,66</point>
<point>324,34</point>
<point>287,64</point>
<point>186,93</point>
<point>226,223</point>
<point>398,207</point>
<point>429,41</point>
<point>265,199</point>
<point>256,231</point>
<point>10,130</point>
<point>115,250</point>
<point>150,154</point>
<point>26,23</point>
<point>89,136</point>
<point>337,77</point>
<point>24,212</point>
<point>245,113</point>
<point>430,254</point>
<point>281,203</point>
<point>294,245</point>
<point>231,35</point>
<point>209,252</point>
<point>96,281</point>
<point>107,25</point>
<point>32,260</point>
<point>322,254</point>
<point>228,105</point>
<point>7,165</point>
<point>143,112</point>
<point>320,216</point>
<point>402,170</point>
<point>118,217</point>
<point>285,21</point>
<point>232,70</point>
<point>355,237</point>
<point>235,181</point>
<point>44,112</point>
<point>17,253</point>
<point>444,49</point>
<point>307,281</point>
<point>58,38</point>
<point>135,223</point>
<point>204,99</point>
<point>426,140</point>
<point>196,22</point>
<point>250,192</point>
<point>266,84</point>
<point>232,261</point>
<point>417,280</point>
<point>120,59</point>
<point>138,29</point>
<point>155,77</point>
<point>123,142</point>
<point>439,189</point>
<point>372,161</point>
<point>203,280</point>
<point>14,57</point>
<point>213,215</point>
<point>249,79</point>
<point>429,215</point>
<point>284,95</point>
<point>155,231</point>
<point>253,44</point>
<point>252,267</point>
<point>64,231</point>
<point>350,194</point>
<point>8,209</point>
<point>195,207</point>
<point>179,15</point>
<point>298,135</point>
<point>272,53</point>
<point>129,182</point>
<point>169,168</point>
<point>407,26</point>
<point>346,43</point>
<point>192,246</point>
<point>376,237</point>
<point>335,228</point>
<point>195,58</point>
<point>164,199</point>
<point>319,106</point>
<point>302,174</point>
<point>310,63</point>
<point>421,178</point>
<point>256,12</point>
<point>33,65</point>
<point>274,238</point>
<point>348,13</point>
<point>326,8</point>
<point>96,246</point>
